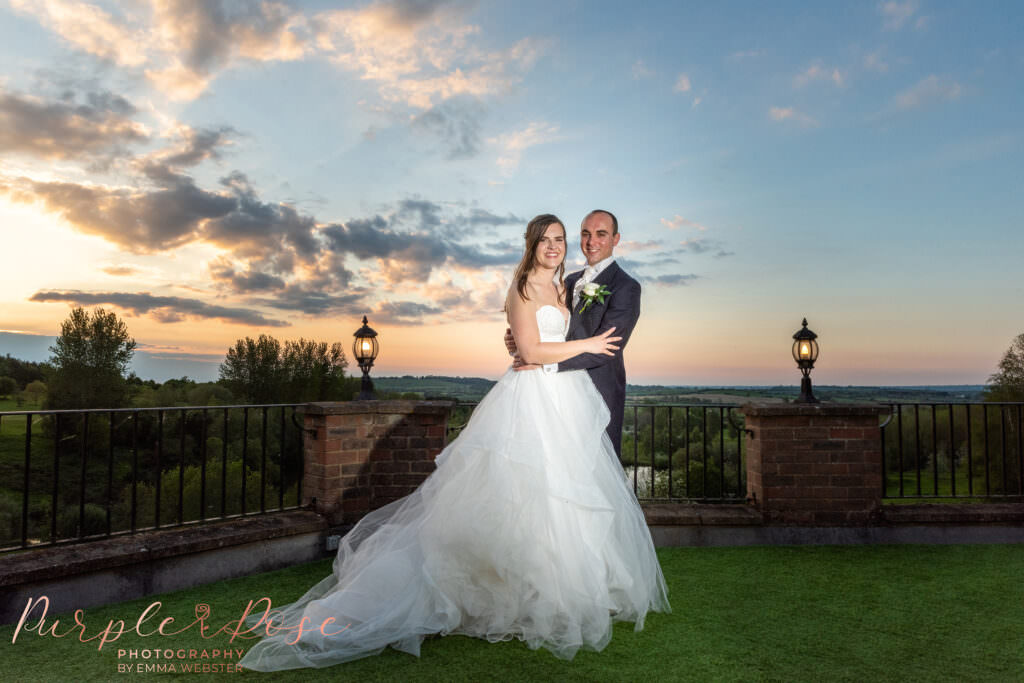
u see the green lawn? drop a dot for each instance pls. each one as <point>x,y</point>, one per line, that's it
<point>834,613</point>
<point>9,403</point>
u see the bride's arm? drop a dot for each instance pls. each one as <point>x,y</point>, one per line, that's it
<point>523,320</point>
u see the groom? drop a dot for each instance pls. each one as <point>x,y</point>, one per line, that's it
<point>599,234</point>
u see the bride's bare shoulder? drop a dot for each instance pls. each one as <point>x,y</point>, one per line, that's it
<point>516,303</point>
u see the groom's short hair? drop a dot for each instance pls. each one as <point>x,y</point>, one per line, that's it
<point>615,221</point>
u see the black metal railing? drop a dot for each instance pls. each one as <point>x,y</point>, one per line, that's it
<point>953,450</point>
<point>674,452</point>
<point>76,475</point>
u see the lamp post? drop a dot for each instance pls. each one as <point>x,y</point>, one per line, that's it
<point>805,352</point>
<point>365,349</point>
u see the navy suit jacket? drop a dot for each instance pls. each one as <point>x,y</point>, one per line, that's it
<point>620,310</point>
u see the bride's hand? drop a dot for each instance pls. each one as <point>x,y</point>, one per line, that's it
<point>603,343</point>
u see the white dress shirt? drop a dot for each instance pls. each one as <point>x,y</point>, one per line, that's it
<point>589,273</point>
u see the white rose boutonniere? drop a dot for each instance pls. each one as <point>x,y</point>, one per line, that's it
<point>593,292</point>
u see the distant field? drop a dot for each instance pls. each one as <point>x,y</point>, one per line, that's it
<point>459,388</point>
<point>472,389</point>
<point>723,398</point>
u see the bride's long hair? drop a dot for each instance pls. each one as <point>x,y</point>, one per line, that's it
<point>535,230</point>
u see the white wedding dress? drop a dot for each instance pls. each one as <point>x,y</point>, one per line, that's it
<point>527,529</point>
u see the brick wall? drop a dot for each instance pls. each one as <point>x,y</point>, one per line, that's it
<point>361,455</point>
<point>814,464</point>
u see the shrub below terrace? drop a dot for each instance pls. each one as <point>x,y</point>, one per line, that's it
<point>117,462</point>
<point>192,494</point>
<point>10,516</point>
<point>701,484</point>
<point>917,440</point>
<point>71,524</point>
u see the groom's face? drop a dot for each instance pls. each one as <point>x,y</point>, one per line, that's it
<point>596,238</point>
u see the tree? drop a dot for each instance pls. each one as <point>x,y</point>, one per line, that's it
<point>252,369</point>
<point>35,392</point>
<point>22,371</point>
<point>90,361</point>
<point>1007,384</point>
<point>7,386</point>
<point>265,371</point>
<point>313,371</point>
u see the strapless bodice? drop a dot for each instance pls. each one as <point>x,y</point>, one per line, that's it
<point>552,324</point>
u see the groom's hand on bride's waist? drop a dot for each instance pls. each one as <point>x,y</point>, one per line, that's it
<point>510,342</point>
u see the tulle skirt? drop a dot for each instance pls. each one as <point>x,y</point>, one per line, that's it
<point>527,529</point>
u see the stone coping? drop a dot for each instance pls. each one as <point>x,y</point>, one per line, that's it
<point>939,514</point>
<point>399,407</point>
<point>701,514</point>
<point>80,558</point>
<point>954,513</point>
<point>825,409</point>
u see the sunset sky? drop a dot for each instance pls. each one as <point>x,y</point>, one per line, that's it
<point>212,171</point>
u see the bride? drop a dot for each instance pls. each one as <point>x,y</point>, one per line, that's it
<point>527,529</point>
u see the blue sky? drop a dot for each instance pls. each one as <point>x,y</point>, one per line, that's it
<point>214,171</point>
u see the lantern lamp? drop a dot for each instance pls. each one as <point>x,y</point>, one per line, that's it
<point>364,350</point>
<point>805,352</point>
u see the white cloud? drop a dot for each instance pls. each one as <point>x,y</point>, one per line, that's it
<point>178,82</point>
<point>745,54</point>
<point>640,70</point>
<point>678,221</point>
<point>632,246</point>
<point>422,62</point>
<point>182,45</point>
<point>682,84</point>
<point>417,53</point>
<point>791,114</point>
<point>896,14</point>
<point>925,91</point>
<point>817,72</point>
<point>514,144</point>
<point>874,62</point>
<point>88,28</point>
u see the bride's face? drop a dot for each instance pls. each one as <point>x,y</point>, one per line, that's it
<point>551,249</point>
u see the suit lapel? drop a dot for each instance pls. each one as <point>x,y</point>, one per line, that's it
<point>608,274</point>
<point>574,318</point>
<point>570,283</point>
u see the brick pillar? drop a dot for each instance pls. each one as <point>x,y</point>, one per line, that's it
<point>360,455</point>
<point>814,464</point>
